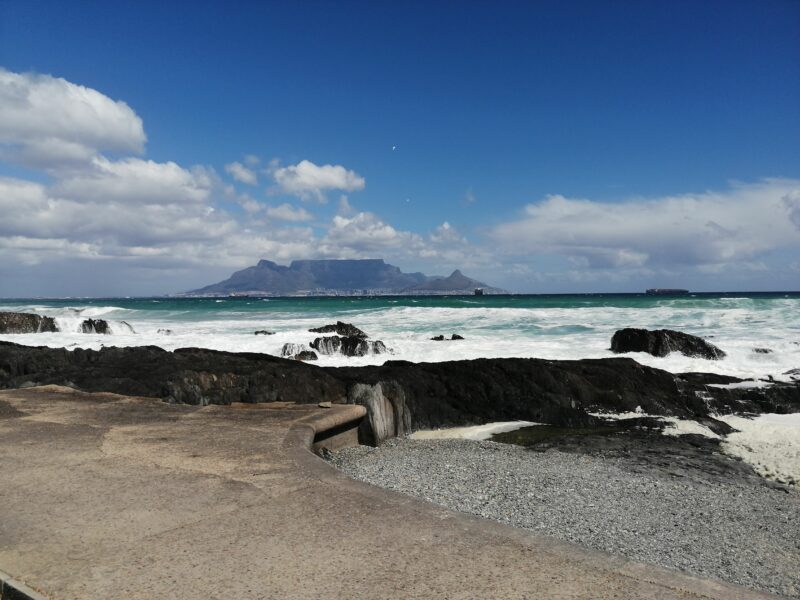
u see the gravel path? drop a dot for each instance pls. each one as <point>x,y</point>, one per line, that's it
<point>736,531</point>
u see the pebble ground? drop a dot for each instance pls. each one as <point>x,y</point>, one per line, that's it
<point>737,531</point>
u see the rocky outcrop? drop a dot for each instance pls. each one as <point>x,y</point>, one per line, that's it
<point>387,414</point>
<point>441,338</point>
<point>264,332</point>
<point>661,342</point>
<point>421,395</point>
<point>190,375</point>
<point>290,350</point>
<point>347,346</point>
<point>95,326</point>
<point>305,355</point>
<point>11,322</point>
<point>341,328</point>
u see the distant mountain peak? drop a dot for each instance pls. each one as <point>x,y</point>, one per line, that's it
<point>325,277</point>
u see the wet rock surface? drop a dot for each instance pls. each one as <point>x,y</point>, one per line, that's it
<point>722,524</point>
<point>264,332</point>
<point>661,342</point>
<point>341,328</point>
<point>306,355</point>
<point>348,346</point>
<point>432,394</point>
<point>11,322</point>
<point>95,326</point>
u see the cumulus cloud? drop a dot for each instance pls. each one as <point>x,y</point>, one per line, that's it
<point>241,173</point>
<point>136,181</point>
<point>287,212</point>
<point>45,121</point>
<point>365,233</point>
<point>309,181</point>
<point>733,226</point>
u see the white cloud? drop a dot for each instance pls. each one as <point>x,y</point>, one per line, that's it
<point>137,181</point>
<point>733,226</point>
<point>345,209</point>
<point>310,182</point>
<point>241,173</point>
<point>365,233</point>
<point>287,212</point>
<point>45,121</point>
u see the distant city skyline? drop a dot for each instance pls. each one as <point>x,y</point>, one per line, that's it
<point>538,147</point>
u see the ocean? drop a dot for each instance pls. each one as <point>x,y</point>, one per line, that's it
<point>541,326</point>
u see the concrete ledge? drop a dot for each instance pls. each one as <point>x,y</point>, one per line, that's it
<point>16,590</point>
<point>131,498</point>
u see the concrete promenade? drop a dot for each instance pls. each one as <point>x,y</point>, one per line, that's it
<point>106,497</point>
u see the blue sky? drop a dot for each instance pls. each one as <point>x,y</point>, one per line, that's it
<point>544,147</point>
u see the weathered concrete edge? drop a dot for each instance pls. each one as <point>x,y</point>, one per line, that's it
<point>11,589</point>
<point>300,439</point>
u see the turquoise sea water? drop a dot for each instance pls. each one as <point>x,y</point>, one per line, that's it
<point>547,326</point>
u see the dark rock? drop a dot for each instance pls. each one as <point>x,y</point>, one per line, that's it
<point>645,450</point>
<point>95,326</point>
<point>264,332</point>
<point>437,338</point>
<point>455,336</point>
<point>661,342</point>
<point>290,350</point>
<point>762,350</point>
<point>793,374</point>
<point>441,338</point>
<point>340,328</point>
<point>305,355</point>
<point>11,322</point>
<point>189,375</point>
<point>165,331</point>
<point>400,396</point>
<point>348,346</point>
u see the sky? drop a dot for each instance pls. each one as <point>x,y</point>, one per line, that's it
<point>542,147</point>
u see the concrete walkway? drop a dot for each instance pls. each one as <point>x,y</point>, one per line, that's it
<point>106,497</point>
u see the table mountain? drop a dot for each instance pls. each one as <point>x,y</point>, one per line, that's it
<point>338,276</point>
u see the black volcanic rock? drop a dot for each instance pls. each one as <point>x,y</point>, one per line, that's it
<point>661,342</point>
<point>399,396</point>
<point>437,338</point>
<point>340,328</point>
<point>405,395</point>
<point>95,326</point>
<point>264,332</point>
<point>290,350</point>
<point>348,346</point>
<point>11,322</point>
<point>305,355</point>
<point>189,375</point>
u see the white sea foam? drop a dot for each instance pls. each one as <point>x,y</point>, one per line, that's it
<point>581,331</point>
<point>769,442</point>
<point>476,432</point>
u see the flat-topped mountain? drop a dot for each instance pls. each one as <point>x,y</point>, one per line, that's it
<point>307,277</point>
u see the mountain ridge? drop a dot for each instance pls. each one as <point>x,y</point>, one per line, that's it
<point>337,277</point>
